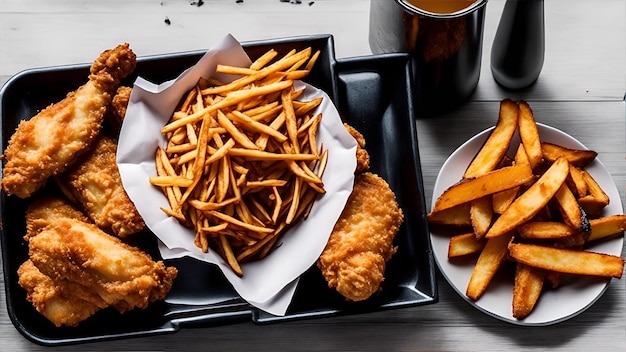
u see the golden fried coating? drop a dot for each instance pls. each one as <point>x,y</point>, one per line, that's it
<point>45,211</point>
<point>95,182</point>
<point>121,275</point>
<point>362,156</point>
<point>120,102</point>
<point>361,242</point>
<point>60,301</point>
<point>48,143</point>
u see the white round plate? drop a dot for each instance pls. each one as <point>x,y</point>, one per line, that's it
<point>554,305</point>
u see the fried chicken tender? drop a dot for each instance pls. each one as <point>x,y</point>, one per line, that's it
<point>45,211</point>
<point>60,301</point>
<point>121,275</point>
<point>361,242</point>
<point>362,156</point>
<point>49,142</point>
<point>95,182</point>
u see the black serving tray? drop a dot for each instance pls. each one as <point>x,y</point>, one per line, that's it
<point>373,94</point>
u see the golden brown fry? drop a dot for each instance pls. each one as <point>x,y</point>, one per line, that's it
<point>526,289</point>
<point>529,135</point>
<point>489,261</point>
<point>496,146</point>
<point>607,226</point>
<point>577,157</point>
<point>481,215</point>
<point>568,261</point>
<point>529,203</point>
<point>492,182</point>
<point>545,230</point>
<point>241,162</point>
<point>465,244</point>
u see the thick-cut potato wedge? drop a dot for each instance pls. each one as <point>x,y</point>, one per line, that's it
<point>489,261</point>
<point>571,212</point>
<point>545,230</point>
<point>504,199</point>
<point>577,157</point>
<point>498,142</point>
<point>456,216</point>
<point>596,199</point>
<point>607,226</point>
<point>529,203</point>
<point>576,182</point>
<point>568,261</point>
<point>529,134</point>
<point>464,244</point>
<point>492,182</point>
<point>526,289</point>
<point>481,214</point>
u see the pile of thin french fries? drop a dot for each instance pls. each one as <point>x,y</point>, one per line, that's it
<point>539,208</point>
<point>241,164</point>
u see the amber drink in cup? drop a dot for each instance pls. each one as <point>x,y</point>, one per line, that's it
<point>444,39</point>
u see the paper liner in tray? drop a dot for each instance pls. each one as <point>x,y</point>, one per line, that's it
<point>267,284</point>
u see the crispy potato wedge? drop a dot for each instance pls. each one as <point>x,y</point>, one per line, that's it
<point>545,230</point>
<point>578,157</point>
<point>489,261</point>
<point>503,199</point>
<point>526,289</point>
<point>498,180</point>
<point>497,144</point>
<point>529,134</point>
<point>568,261</point>
<point>529,203</point>
<point>571,212</point>
<point>465,244</point>
<point>607,226</point>
<point>596,200</point>
<point>481,214</point>
<point>457,216</point>
<point>576,182</point>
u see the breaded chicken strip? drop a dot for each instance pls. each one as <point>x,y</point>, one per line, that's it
<point>47,210</point>
<point>361,242</point>
<point>49,142</point>
<point>362,156</point>
<point>60,301</point>
<point>121,275</point>
<point>95,182</point>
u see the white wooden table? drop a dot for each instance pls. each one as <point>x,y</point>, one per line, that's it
<point>580,91</point>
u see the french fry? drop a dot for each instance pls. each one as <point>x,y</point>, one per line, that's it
<point>544,222</point>
<point>545,230</point>
<point>526,289</point>
<point>481,215</point>
<point>464,244</point>
<point>607,226</point>
<point>529,203</point>
<point>529,135</point>
<point>457,216</point>
<point>241,162</point>
<point>570,210</point>
<point>498,142</point>
<point>489,261</point>
<point>492,182</point>
<point>567,260</point>
<point>577,157</point>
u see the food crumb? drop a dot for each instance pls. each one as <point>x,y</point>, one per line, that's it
<point>197,3</point>
<point>167,21</point>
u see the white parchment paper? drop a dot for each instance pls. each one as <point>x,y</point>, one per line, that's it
<point>268,284</point>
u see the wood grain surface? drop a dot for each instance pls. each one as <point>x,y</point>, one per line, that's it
<point>580,91</point>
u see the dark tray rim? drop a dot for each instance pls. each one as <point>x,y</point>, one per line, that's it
<point>238,311</point>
